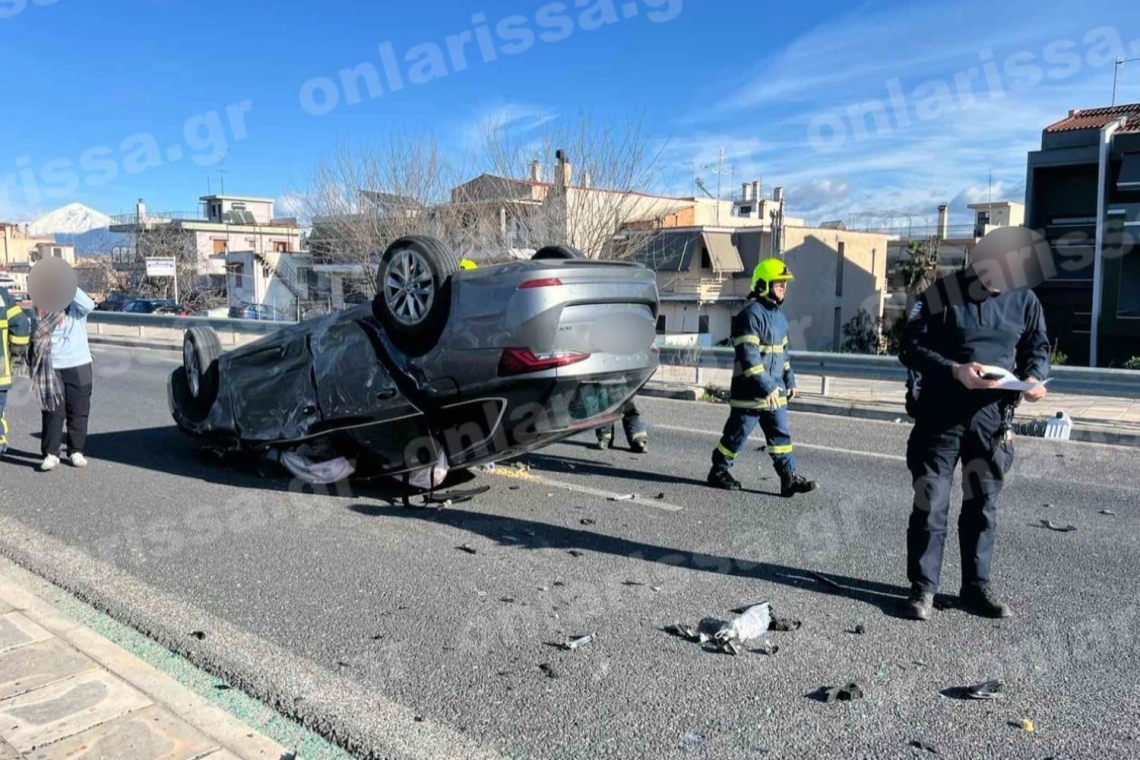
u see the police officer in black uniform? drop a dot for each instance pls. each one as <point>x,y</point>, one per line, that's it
<point>636,432</point>
<point>984,316</point>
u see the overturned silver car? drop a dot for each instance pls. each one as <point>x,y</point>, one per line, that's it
<point>462,366</point>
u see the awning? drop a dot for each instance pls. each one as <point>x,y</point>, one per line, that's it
<point>1129,178</point>
<point>722,253</point>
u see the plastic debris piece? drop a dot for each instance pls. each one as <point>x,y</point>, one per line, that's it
<point>623,497</point>
<point>923,746</point>
<point>547,670</point>
<point>468,549</point>
<point>1027,725</point>
<point>752,624</point>
<point>574,553</point>
<point>1059,528</point>
<point>1108,512</point>
<point>767,648</point>
<point>198,635</point>
<point>580,641</point>
<point>659,496</point>
<point>684,631</point>
<point>847,693</point>
<point>824,579</point>
<point>859,630</point>
<point>655,588</point>
<point>311,471</point>
<point>588,521</point>
<point>692,740</point>
<point>987,690</point>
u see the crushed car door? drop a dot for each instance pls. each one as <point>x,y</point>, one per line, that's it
<point>272,391</point>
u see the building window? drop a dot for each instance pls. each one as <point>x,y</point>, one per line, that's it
<point>661,324</point>
<point>219,245</point>
<point>838,329</point>
<point>706,262</point>
<point>239,276</point>
<point>280,247</point>
<point>840,261</point>
<point>703,324</point>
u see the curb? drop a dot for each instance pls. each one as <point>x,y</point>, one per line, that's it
<point>230,737</point>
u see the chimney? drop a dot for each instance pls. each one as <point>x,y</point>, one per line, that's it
<point>536,170</point>
<point>565,171</point>
<point>756,190</point>
<point>744,192</point>
<point>943,221</point>
<point>140,210</point>
<point>778,195</point>
<point>585,179</point>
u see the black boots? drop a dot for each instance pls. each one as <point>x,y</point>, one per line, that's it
<point>981,601</point>
<point>720,477</point>
<point>919,604</point>
<point>792,484</point>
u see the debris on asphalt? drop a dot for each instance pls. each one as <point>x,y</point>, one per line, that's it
<point>1108,512</point>
<point>578,642</point>
<point>632,583</point>
<point>751,624</point>
<point>507,600</point>
<point>824,579</point>
<point>222,686</point>
<point>987,690</point>
<point>848,693</point>
<point>574,553</point>
<point>655,588</point>
<point>683,631</point>
<point>418,719</point>
<point>692,740</point>
<point>468,549</point>
<point>659,496</point>
<point>198,635</point>
<point>1059,528</point>
<point>923,746</point>
<point>1026,725</point>
<point>514,488</point>
<point>560,583</point>
<point>767,648</point>
<point>859,630</point>
<point>784,624</point>
<point>624,497</point>
<point>1047,505</point>
<point>543,588</point>
<point>548,670</point>
<point>588,521</point>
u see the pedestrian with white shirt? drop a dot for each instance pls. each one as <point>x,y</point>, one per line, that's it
<point>62,378</point>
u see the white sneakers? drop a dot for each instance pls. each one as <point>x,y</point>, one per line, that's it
<point>51,461</point>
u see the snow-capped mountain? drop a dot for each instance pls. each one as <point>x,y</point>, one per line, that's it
<point>72,219</point>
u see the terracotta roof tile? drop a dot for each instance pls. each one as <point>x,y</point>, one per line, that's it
<point>1095,118</point>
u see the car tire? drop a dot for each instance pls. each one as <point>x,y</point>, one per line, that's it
<point>201,348</point>
<point>413,299</point>
<point>557,252</point>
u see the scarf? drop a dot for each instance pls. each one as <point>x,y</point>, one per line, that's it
<point>44,379</point>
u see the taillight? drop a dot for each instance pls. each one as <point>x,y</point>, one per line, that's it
<point>544,283</point>
<point>520,361</point>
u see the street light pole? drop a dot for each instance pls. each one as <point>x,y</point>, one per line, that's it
<point>1116,71</point>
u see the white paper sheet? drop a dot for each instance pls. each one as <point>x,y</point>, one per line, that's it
<point>1008,381</point>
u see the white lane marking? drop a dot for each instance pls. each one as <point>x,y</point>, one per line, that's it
<point>530,477</point>
<point>798,445</point>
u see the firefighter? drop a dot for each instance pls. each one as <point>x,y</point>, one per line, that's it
<point>15,330</point>
<point>762,383</point>
<point>634,427</point>
<point>961,325</point>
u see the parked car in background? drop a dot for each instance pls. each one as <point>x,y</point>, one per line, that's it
<point>154,306</point>
<point>258,311</point>
<point>116,301</point>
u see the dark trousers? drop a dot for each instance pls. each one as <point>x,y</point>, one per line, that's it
<point>777,435</point>
<point>74,410</point>
<point>935,447</point>
<point>632,425</point>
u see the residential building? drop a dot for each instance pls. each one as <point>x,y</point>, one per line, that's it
<point>17,246</point>
<point>704,277</point>
<point>1083,194</point>
<point>280,281</point>
<point>224,223</point>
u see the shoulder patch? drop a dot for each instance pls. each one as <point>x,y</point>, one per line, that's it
<point>914,312</point>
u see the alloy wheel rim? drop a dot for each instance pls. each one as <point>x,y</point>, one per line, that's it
<point>409,288</point>
<point>193,376</point>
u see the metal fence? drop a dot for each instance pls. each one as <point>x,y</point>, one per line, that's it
<point>1082,381</point>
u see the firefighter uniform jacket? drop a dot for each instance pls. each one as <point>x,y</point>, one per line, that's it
<point>958,320</point>
<point>763,364</point>
<point>15,330</point>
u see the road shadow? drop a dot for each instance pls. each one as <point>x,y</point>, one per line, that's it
<point>169,451</point>
<point>530,534</point>
<point>553,463</point>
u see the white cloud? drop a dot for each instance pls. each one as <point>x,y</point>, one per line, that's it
<point>512,120</point>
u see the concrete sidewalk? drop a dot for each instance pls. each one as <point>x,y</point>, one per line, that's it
<point>66,692</point>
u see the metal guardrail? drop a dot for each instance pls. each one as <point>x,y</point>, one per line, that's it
<point>1080,381</point>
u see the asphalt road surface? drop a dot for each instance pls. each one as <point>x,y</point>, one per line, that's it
<point>365,621</point>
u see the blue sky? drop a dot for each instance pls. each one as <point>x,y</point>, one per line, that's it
<point>99,95</point>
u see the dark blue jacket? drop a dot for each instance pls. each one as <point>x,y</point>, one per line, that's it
<point>763,362</point>
<point>956,320</point>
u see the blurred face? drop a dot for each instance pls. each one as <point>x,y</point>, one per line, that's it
<point>779,289</point>
<point>1011,258</point>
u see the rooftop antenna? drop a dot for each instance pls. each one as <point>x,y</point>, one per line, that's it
<point>1116,71</point>
<point>990,192</point>
<point>222,171</point>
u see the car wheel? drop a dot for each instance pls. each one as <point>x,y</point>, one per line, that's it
<point>201,348</point>
<point>414,292</point>
<point>558,252</point>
